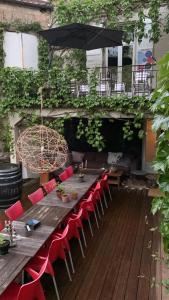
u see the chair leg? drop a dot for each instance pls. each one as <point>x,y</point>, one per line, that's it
<point>110,194</point>
<point>96,220</point>
<point>98,211</point>
<point>71,262</point>
<point>56,289</point>
<point>90,226</point>
<point>101,205</point>
<point>81,248</point>
<point>105,201</point>
<point>84,238</point>
<point>67,267</point>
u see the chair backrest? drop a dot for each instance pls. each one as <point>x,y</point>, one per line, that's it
<point>63,176</point>
<point>1,226</point>
<point>74,224</point>
<point>36,196</point>
<point>49,186</point>
<point>141,76</point>
<point>15,211</point>
<point>119,87</point>
<point>56,249</point>
<point>33,290</point>
<point>69,171</point>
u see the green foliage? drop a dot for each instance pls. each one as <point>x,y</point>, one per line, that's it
<point>20,90</point>
<point>161,165</point>
<point>111,12</point>
<point>7,138</point>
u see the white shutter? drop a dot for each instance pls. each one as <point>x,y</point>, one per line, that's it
<point>21,50</point>
<point>12,49</point>
<point>30,50</point>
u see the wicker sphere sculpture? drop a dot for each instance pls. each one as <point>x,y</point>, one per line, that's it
<point>41,149</point>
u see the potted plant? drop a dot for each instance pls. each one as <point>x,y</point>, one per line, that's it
<point>74,195</point>
<point>59,191</point>
<point>65,197</point>
<point>4,245</point>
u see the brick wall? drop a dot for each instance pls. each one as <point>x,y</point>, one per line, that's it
<point>9,13</point>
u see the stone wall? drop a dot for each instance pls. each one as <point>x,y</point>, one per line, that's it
<point>26,14</point>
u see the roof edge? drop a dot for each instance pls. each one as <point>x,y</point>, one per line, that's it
<point>45,6</point>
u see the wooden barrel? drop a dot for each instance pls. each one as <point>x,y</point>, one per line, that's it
<point>10,184</point>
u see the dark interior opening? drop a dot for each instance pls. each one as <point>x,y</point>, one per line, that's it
<point>112,131</point>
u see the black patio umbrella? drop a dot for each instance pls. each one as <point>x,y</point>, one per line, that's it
<point>82,36</point>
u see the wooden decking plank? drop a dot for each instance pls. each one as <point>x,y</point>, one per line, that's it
<point>95,279</point>
<point>113,261</point>
<point>144,284</point>
<point>131,230</point>
<point>132,280</point>
<point>85,268</point>
<point>155,291</point>
<point>164,272</point>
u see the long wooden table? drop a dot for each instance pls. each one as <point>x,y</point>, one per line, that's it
<point>50,212</point>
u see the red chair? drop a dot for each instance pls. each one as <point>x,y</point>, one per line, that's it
<point>1,226</point>
<point>105,185</point>
<point>69,171</point>
<point>74,223</point>
<point>52,252</point>
<point>89,205</point>
<point>36,196</point>
<point>50,186</point>
<point>63,176</point>
<point>15,211</point>
<point>97,192</point>
<point>65,243</point>
<point>29,291</point>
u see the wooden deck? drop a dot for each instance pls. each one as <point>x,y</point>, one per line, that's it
<point>119,262</point>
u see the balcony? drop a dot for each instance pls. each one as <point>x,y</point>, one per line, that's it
<point>130,80</point>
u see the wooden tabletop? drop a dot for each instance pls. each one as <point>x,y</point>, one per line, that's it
<point>70,185</point>
<point>47,215</point>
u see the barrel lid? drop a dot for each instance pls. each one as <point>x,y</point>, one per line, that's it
<point>6,167</point>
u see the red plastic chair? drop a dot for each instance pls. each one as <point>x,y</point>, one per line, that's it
<point>50,186</point>
<point>15,211</point>
<point>54,251</point>
<point>1,226</point>
<point>97,192</point>
<point>69,171</point>
<point>65,243</point>
<point>36,196</point>
<point>29,291</point>
<point>74,223</point>
<point>63,176</point>
<point>89,205</point>
<point>105,185</point>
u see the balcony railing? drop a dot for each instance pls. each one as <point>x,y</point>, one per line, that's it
<point>129,80</point>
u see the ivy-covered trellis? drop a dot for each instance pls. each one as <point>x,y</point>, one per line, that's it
<point>161,126</point>
<point>19,89</point>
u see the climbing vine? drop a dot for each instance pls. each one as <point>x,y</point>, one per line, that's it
<point>112,12</point>
<point>161,165</point>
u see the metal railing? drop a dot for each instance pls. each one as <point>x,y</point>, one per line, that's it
<point>133,80</point>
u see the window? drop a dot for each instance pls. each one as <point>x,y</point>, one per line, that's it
<point>21,50</point>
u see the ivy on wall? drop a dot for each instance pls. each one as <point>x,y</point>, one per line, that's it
<point>20,89</point>
<point>161,165</point>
